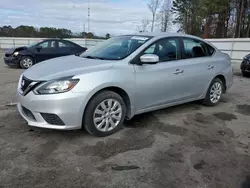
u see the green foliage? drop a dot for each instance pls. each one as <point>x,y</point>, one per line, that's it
<point>44,32</point>
<point>209,7</point>
<point>188,15</point>
<point>217,16</point>
<point>107,36</point>
<point>90,35</point>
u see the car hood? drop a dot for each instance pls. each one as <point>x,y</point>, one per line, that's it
<point>18,49</point>
<point>65,66</point>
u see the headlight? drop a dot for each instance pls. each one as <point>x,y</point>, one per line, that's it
<point>56,86</point>
<point>16,53</point>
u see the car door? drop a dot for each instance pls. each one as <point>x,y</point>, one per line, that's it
<point>198,66</point>
<point>65,48</point>
<point>68,48</point>
<point>45,50</point>
<point>164,82</point>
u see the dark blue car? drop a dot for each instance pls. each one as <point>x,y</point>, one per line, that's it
<point>27,56</point>
<point>245,66</point>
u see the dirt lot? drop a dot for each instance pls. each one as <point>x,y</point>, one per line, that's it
<point>188,146</point>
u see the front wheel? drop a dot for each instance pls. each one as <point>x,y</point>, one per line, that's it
<point>214,93</point>
<point>104,114</point>
<point>26,62</point>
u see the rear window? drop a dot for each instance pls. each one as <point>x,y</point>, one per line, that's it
<point>194,48</point>
<point>68,44</point>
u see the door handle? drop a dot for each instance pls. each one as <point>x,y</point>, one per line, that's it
<point>210,67</point>
<point>178,71</point>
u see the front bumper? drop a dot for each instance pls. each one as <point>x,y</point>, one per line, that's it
<point>65,109</point>
<point>12,61</point>
<point>245,66</point>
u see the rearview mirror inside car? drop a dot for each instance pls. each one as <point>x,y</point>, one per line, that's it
<point>149,59</point>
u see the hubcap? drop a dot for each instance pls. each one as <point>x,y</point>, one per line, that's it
<point>27,62</point>
<point>107,115</point>
<point>215,92</point>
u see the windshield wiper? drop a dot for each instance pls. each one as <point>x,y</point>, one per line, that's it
<point>93,57</point>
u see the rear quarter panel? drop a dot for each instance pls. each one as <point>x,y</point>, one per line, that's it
<point>223,66</point>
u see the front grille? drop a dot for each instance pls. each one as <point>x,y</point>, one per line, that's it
<point>25,82</point>
<point>28,113</point>
<point>27,85</point>
<point>7,55</point>
<point>52,119</point>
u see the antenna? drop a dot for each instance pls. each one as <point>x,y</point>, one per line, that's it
<point>88,16</point>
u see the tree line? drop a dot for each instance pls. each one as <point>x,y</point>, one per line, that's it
<point>161,16</point>
<point>204,18</point>
<point>213,18</point>
<point>45,32</point>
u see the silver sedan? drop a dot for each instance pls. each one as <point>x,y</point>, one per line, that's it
<point>122,77</point>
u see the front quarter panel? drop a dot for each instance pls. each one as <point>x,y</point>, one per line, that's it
<point>26,52</point>
<point>121,76</point>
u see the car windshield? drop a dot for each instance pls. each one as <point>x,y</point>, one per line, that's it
<point>116,48</point>
<point>33,43</point>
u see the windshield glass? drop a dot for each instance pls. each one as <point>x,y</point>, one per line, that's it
<point>33,43</point>
<point>116,48</point>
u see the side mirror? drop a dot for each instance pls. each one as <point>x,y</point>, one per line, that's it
<point>149,59</point>
<point>39,48</point>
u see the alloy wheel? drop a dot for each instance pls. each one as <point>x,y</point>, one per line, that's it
<point>215,92</point>
<point>107,115</point>
<point>27,62</point>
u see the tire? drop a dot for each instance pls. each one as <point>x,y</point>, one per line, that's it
<point>26,62</point>
<point>94,110</point>
<point>244,74</point>
<point>209,100</point>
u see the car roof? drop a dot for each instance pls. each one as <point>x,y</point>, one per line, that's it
<point>57,39</point>
<point>164,34</point>
<point>54,39</point>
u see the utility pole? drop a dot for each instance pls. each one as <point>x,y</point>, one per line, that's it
<point>85,34</point>
<point>88,17</point>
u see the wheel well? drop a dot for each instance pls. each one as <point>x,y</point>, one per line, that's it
<point>120,92</point>
<point>30,56</point>
<point>222,78</point>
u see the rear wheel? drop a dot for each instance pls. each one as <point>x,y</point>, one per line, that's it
<point>26,62</point>
<point>104,114</point>
<point>214,93</point>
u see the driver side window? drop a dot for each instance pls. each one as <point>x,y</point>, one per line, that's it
<point>44,44</point>
<point>48,44</point>
<point>167,49</point>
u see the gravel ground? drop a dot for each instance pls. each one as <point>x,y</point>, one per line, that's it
<point>187,146</point>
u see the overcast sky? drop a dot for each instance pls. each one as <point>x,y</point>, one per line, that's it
<point>106,16</point>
